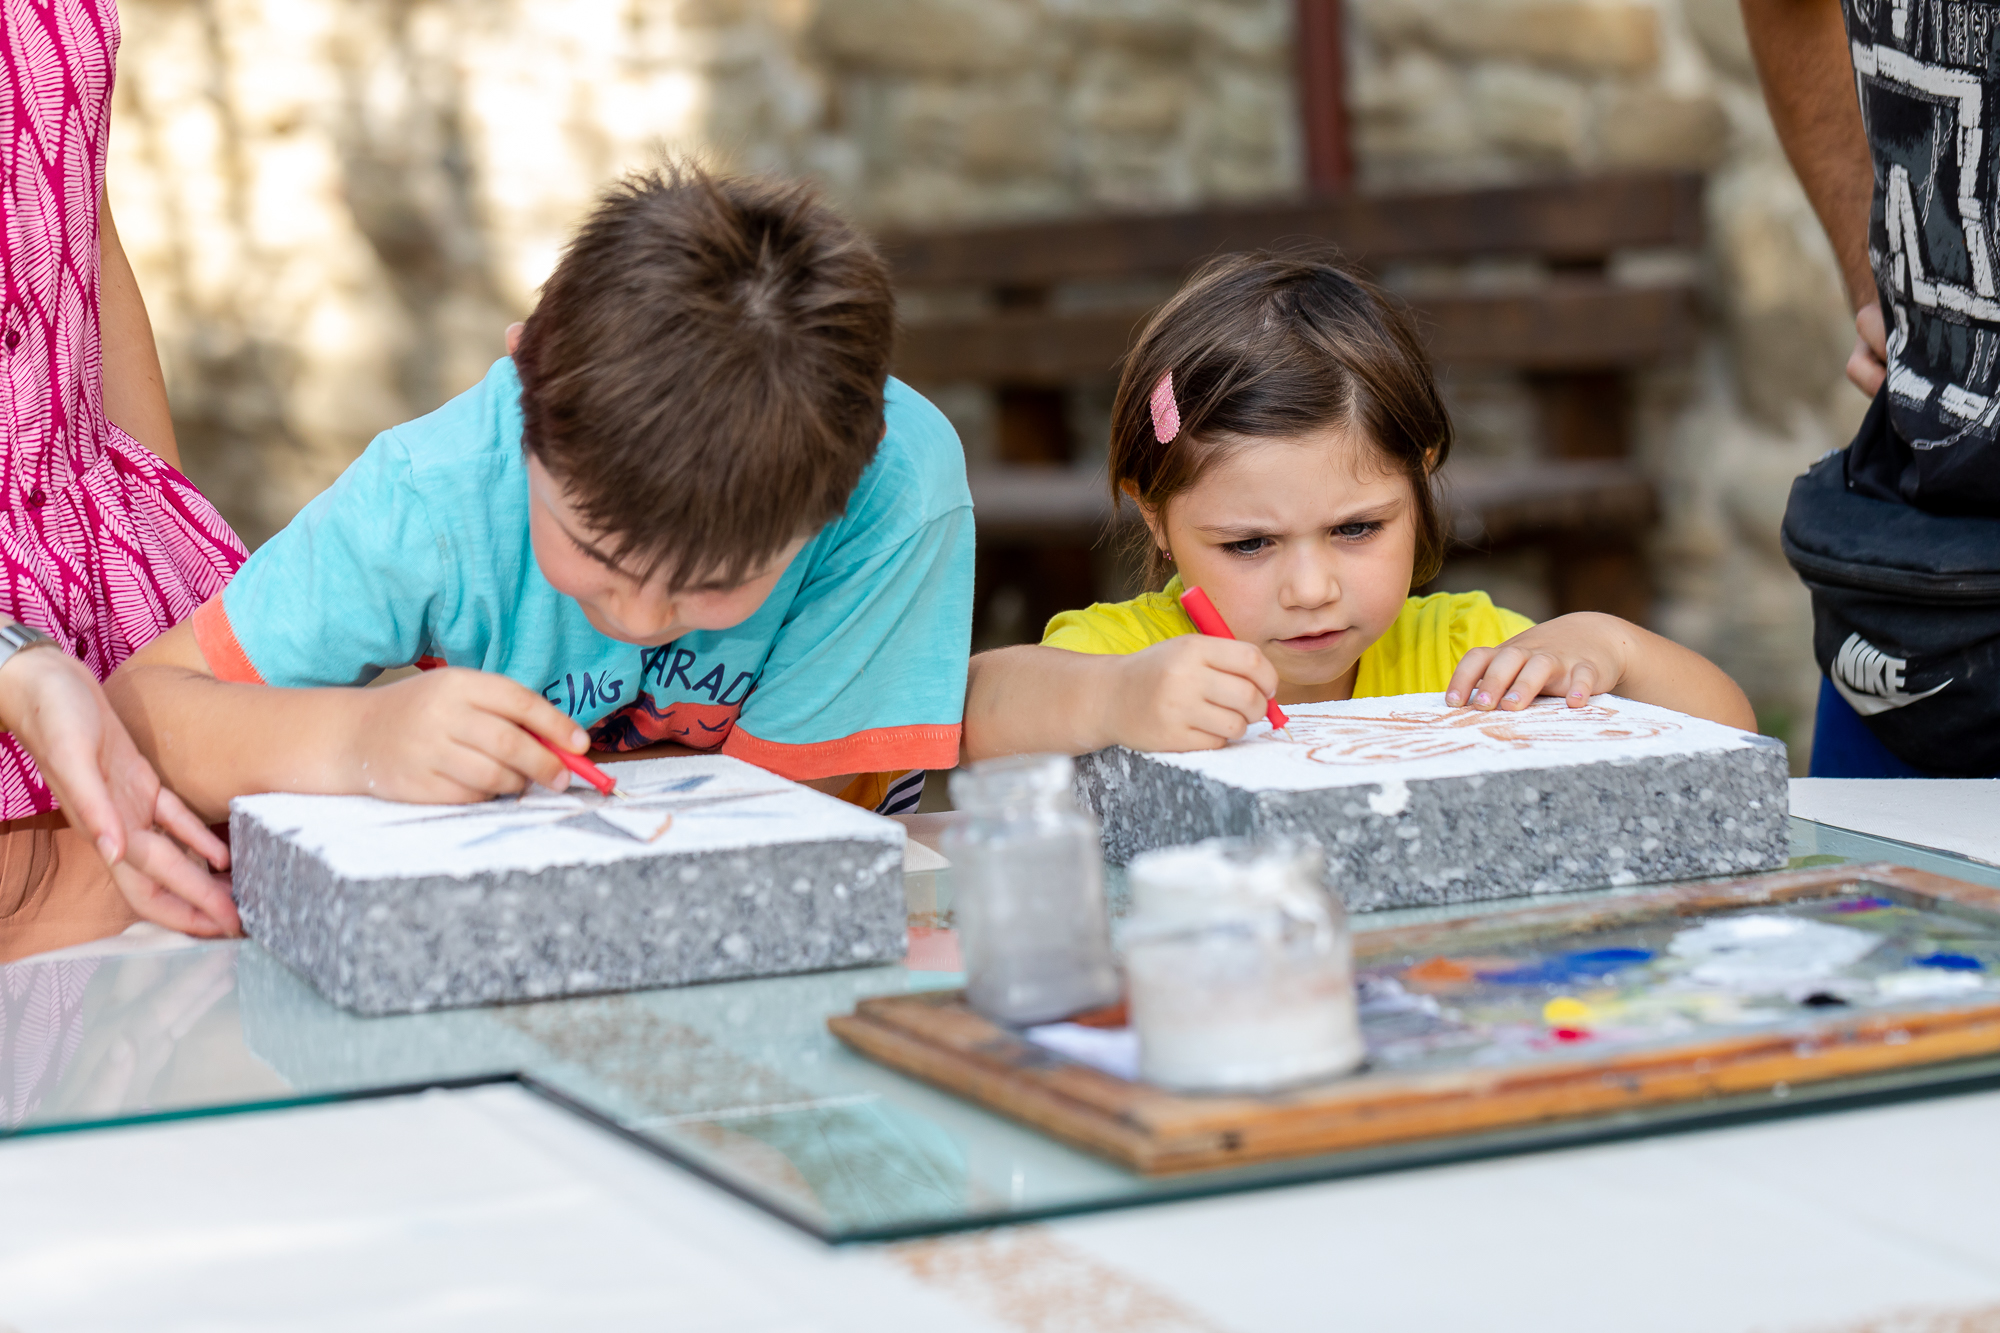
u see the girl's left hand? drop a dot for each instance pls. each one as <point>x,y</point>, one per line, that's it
<point>1575,656</point>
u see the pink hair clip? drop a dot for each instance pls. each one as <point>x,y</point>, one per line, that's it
<point>1166,412</point>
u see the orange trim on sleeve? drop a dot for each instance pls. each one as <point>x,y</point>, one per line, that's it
<point>863,752</point>
<point>218,644</point>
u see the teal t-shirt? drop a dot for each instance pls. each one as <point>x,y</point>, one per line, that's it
<point>419,553</point>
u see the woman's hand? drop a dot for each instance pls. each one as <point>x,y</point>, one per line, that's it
<point>1189,693</point>
<point>59,714</point>
<point>1588,653</point>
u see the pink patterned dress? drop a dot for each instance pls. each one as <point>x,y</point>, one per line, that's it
<point>102,544</point>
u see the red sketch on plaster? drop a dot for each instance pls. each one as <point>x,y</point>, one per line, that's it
<point>1401,737</point>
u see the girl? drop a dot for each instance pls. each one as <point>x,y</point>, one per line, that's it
<point>1278,427</point>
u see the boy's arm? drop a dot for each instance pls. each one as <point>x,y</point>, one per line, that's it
<point>1590,653</point>
<point>445,736</point>
<point>1186,693</point>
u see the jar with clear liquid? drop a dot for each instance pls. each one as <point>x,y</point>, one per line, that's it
<point>1240,968</point>
<point>1028,887</point>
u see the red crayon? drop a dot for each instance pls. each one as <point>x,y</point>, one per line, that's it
<point>580,766</point>
<point>1210,622</point>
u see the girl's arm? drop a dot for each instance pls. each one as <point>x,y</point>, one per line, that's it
<point>1187,693</point>
<point>446,736</point>
<point>135,392</point>
<point>1589,653</point>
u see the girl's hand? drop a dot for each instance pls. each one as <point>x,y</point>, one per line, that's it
<point>453,736</point>
<point>109,793</point>
<point>1189,693</point>
<point>1575,656</point>
<point>1588,653</point>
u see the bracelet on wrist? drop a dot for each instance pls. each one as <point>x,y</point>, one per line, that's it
<point>16,638</point>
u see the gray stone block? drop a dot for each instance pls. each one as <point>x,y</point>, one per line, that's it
<point>712,869</point>
<point>1417,804</point>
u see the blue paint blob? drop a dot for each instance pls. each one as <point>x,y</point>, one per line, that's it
<point>1951,962</point>
<point>1585,965</point>
<point>1863,905</point>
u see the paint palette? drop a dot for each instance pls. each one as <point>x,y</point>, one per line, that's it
<point>1675,994</point>
<point>1673,979</point>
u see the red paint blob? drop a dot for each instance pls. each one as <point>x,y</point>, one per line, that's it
<point>1569,1034</point>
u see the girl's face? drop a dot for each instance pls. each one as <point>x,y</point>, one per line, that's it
<point>1306,545</point>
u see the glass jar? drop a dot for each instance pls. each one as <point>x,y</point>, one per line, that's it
<point>1239,967</point>
<point>1028,887</point>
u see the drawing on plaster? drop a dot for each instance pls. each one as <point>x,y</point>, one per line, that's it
<point>639,813</point>
<point>1403,735</point>
<point>677,806</point>
<point>1412,737</point>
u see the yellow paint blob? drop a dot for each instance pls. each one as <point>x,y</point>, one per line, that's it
<point>1566,1011</point>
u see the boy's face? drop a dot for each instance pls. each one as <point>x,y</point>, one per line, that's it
<point>1305,546</point>
<point>577,564</point>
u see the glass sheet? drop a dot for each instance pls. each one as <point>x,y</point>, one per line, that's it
<point>738,1080</point>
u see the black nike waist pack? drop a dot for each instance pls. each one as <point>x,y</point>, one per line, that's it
<point>1906,611</point>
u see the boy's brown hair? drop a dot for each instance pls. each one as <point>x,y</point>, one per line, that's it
<point>1265,345</point>
<point>704,371</point>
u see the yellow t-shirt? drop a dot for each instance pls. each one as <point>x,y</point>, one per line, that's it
<point>1415,656</point>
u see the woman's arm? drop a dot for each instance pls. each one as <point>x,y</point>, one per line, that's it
<point>1591,653</point>
<point>135,392</point>
<point>57,711</point>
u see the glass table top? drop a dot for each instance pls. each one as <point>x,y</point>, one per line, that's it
<point>738,1081</point>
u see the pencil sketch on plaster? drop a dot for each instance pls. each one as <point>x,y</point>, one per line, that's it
<point>638,813</point>
<point>1394,737</point>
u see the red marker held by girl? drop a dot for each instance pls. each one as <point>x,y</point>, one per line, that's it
<point>1210,622</point>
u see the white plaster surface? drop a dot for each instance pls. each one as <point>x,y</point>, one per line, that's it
<point>697,803</point>
<point>1959,815</point>
<point>1393,740</point>
<point>491,1210</point>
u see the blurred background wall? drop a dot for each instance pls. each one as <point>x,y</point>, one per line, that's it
<point>335,206</point>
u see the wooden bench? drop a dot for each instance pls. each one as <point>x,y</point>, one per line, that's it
<point>1023,310</point>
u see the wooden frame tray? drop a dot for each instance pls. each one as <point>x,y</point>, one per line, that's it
<point>935,1037</point>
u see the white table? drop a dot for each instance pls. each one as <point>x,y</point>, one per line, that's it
<point>491,1209</point>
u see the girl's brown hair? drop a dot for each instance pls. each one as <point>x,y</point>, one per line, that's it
<point>1265,345</point>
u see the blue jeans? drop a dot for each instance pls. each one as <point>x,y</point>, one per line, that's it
<point>1843,747</point>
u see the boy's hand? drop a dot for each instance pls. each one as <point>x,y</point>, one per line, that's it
<point>455,735</point>
<point>1575,656</point>
<point>1189,693</point>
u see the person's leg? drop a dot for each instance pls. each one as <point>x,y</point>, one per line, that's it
<point>1843,747</point>
<point>54,889</point>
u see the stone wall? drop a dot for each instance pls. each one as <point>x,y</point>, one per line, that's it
<point>335,206</point>
<point>1457,91</point>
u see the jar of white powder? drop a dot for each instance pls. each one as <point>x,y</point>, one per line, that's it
<point>1028,884</point>
<point>1239,968</point>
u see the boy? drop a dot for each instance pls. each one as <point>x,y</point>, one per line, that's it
<point>690,508</point>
